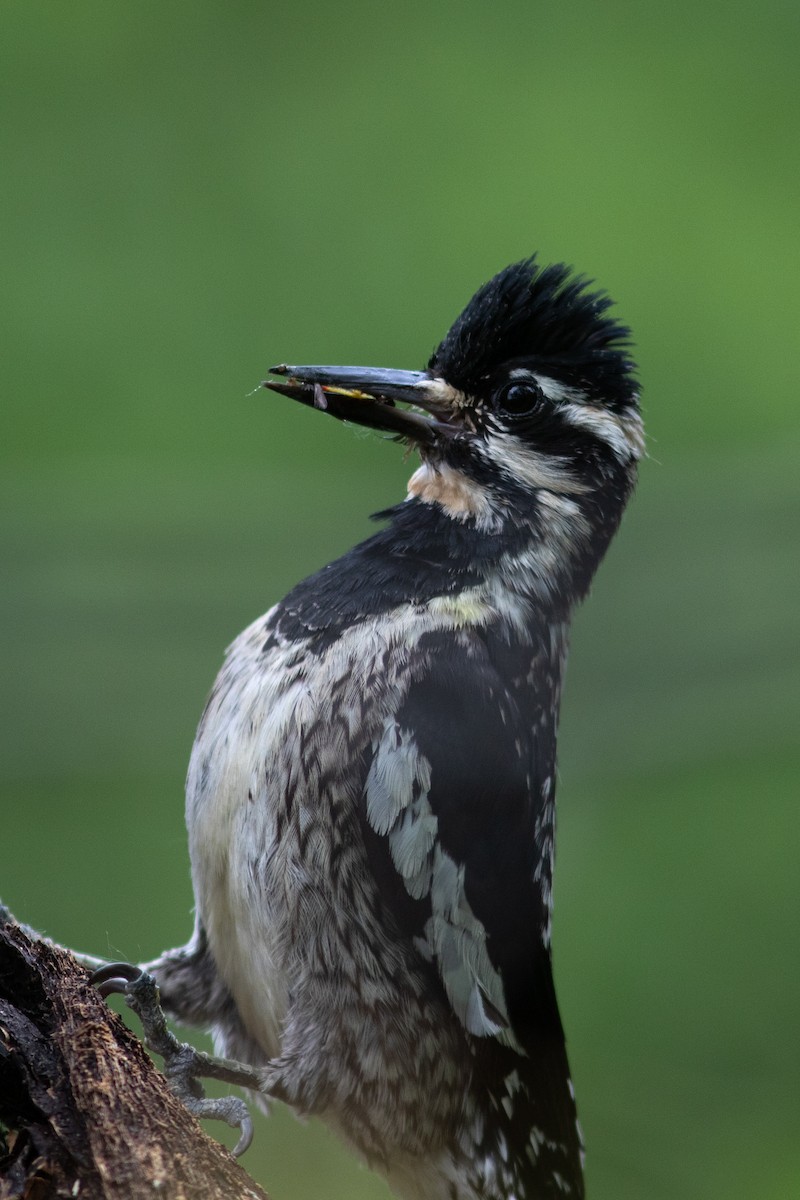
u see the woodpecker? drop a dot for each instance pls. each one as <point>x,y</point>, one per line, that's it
<point>371,793</point>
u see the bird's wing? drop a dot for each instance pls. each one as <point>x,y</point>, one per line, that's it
<point>457,818</point>
<point>452,815</point>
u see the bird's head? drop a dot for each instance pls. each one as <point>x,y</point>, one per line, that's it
<point>531,391</point>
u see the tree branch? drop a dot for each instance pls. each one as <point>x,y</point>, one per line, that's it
<point>83,1111</point>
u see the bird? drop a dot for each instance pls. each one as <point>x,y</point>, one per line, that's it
<point>370,799</point>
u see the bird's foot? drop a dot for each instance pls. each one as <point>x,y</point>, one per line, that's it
<point>183,1065</point>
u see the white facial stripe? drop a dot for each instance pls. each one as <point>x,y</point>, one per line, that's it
<point>529,466</point>
<point>552,388</point>
<point>622,432</point>
<point>632,426</point>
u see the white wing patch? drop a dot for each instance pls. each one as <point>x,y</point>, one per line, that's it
<point>398,808</point>
<point>399,774</point>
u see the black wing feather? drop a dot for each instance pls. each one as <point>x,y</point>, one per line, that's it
<point>482,715</point>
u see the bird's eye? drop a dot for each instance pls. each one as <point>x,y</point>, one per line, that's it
<point>519,399</point>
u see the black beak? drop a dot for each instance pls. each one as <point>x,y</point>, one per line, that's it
<point>368,395</point>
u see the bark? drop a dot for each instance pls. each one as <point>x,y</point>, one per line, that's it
<point>83,1111</point>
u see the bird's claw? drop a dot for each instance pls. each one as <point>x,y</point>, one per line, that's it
<point>183,1065</point>
<point>115,978</point>
<point>231,1110</point>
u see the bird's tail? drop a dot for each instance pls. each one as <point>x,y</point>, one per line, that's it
<point>530,1145</point>
<point>531,1139</point>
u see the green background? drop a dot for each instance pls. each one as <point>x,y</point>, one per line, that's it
<point>193,191</point>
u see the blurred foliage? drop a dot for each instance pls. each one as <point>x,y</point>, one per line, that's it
<point>192,191</point>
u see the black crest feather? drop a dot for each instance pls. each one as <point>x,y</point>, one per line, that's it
<point>542,315</point>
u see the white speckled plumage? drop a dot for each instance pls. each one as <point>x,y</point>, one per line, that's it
<point>370,797</point>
